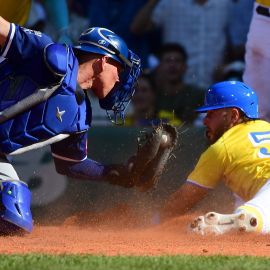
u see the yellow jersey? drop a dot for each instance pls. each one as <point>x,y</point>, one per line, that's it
<point>265,3</point>
<point>241,158</point>
<point>15,11</point>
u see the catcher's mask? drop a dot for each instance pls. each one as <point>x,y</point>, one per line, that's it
<point>15,213</point>
<point>230,94</point>
<point>105,42</point>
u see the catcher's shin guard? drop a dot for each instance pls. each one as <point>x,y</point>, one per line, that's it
<point>219,223</point>
<point>15,213</point>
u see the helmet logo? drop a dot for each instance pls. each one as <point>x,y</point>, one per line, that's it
<point>102,42</point>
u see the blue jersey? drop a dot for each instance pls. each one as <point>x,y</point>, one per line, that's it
<point>30,61</point>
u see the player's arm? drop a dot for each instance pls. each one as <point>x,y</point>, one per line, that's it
<point>86,169</point>
<point>181,201</point>
<point>141,170</point>
<point>70,158</point>
<point>19,43</point>
<point>205,176</point>
<point>142,21</point>
<point>4,30</point>
<point>58,14</point>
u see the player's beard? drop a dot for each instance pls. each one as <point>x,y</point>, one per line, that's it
<point>219,129</point>
<point>213,135</point>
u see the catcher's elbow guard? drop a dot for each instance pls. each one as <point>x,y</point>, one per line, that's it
<point>15,213</point>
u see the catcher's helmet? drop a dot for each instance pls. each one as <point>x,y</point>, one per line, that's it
<point>105,42</point>
<point>231,94</point>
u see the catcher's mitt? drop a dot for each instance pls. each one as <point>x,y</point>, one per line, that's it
<point>148,164</point>
<point>144,169</point>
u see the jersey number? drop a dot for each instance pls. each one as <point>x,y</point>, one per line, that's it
<point>258,138</point>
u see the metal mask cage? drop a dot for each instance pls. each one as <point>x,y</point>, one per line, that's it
<point>118,100</point>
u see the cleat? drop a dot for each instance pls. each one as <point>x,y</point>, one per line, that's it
<point>194,224</point>
<point>216,223</point>
<point>253,222</point>
<point>241,217</point>
<point>242,229</point>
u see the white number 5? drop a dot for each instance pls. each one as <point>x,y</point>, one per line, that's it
<point>258,138</point>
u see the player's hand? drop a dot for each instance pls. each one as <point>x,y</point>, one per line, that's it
<point>118,174</point>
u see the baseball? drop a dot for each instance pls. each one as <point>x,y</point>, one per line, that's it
<point>164,140</point>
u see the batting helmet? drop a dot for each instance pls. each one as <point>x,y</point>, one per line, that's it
<point>231,94</point>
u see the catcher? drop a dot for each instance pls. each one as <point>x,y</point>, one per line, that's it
<point>239,154</point>
<point>41,104</point>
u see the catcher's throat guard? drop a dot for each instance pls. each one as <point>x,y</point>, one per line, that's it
<point>15,213</point>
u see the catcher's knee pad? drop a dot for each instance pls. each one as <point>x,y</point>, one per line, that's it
<point>15,213</point>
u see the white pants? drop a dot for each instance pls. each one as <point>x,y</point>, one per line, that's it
<point>259,204</point>
<point>7,171</point>
<point>257,59</point>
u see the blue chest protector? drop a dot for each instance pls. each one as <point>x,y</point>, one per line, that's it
<point>66,111</point>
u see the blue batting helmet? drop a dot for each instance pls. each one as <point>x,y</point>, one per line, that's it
<point>231,94</point>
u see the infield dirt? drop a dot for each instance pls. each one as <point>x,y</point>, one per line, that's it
<point>123,230</point>
<point>119,233</point>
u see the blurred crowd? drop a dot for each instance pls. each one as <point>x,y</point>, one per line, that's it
<point>185,46</point>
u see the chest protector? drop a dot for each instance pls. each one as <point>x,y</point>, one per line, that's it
<point>66,111</point>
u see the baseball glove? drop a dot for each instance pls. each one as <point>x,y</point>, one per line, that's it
<point>148,164</point>
<point>144,169</point>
